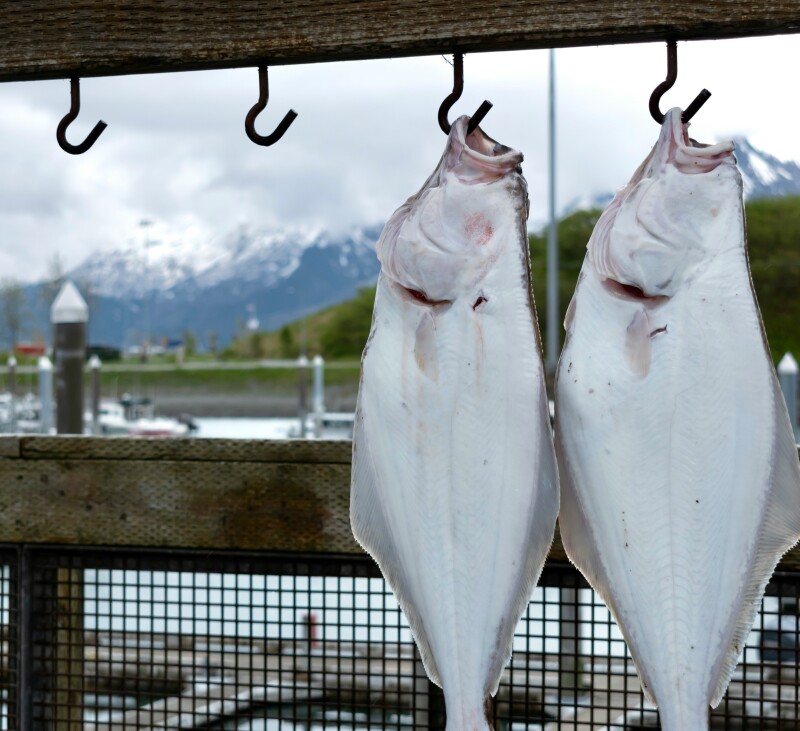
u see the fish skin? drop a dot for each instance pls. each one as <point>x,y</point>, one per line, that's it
<point>455,485</point>
<point>680,483</point>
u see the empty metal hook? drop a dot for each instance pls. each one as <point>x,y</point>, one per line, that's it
<point>69,118</point>
<point>664,86</point>
<point>258,107</point>
<point>455,95</point>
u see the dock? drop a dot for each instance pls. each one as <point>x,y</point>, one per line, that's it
<point>190,681</point>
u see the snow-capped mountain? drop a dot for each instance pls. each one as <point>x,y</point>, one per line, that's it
<point>166,283</point>
<point>763,176</point>
<point>164,288</point>
<point>168,263</point>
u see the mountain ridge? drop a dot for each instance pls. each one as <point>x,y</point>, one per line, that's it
<point>165,285</point>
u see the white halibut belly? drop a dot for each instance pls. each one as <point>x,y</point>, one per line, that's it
<point>454,487</point>
<point>679,473</point>
<point>666,478</point>
<point>464,472</point>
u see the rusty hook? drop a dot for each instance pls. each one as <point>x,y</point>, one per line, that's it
<point>258,107</point>
<point>69,118</point>
<point>664,86</point>
<point>455,95</point>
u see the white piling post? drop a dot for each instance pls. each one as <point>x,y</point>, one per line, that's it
<point>46,394</point>
<point>94,369</point>
<point>302,400</point>
<point>69,315</point>
<point>12,390</point>
<point>318,396</point>
<point>787,377</point>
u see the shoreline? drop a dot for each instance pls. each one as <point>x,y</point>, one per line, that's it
<point>251,403</point>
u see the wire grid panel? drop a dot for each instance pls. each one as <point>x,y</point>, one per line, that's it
<point>9,644</point>
<point>135,640</point>
<point>130,640</point>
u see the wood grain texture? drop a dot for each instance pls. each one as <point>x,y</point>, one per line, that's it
<point>213,505</point>
<point>40,39</point>
<point>183,450</point>
<point>284,496</point>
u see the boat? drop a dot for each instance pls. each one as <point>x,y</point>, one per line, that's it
<point>134,416</point>
<point>325,425</point>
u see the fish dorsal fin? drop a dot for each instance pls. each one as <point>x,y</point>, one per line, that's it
<point>374,532</point>
<point>779,532</point>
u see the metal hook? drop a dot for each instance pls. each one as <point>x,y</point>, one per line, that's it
<point>455,95</point>
<point>664,86</point>
<point>258,107</point>
<point>69,118</point>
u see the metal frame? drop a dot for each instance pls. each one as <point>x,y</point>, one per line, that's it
<point>81,625</point>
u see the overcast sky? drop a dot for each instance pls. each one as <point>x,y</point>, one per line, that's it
<point>175,151</point>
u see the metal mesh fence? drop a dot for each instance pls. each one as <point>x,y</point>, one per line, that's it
<point>126,639</point>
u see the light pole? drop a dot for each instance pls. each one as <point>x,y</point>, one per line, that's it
<point>551,359</point>
<point>145,224</point>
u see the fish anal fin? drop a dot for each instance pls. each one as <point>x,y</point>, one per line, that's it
<point>374,533</point>
<point>577,537</point>
<point>779,531</point>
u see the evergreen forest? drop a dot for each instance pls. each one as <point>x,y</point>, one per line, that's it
<point>773,233</point>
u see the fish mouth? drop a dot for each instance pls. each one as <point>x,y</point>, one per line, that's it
<point>475,157</point>
<point>688,155</point>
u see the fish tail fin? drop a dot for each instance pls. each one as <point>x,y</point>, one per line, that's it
<point>468,722</point>
<point>465,716</point>
<point>685,718</point>
<point>481,726</point>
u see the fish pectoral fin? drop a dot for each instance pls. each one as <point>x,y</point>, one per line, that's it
<point>570,314</point>
<point>638,350</point>
<point>425,347</point>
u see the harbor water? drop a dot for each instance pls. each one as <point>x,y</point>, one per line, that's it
<point>231,607</point>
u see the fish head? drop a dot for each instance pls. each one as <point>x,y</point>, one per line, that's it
<point>442,242</point>
<point>661,226</point>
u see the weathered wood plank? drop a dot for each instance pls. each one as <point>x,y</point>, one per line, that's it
<point>287,496</point>
<point>214,505</point>
<point>307,451</point>
<point>42,39</point>
<point>9,447</point>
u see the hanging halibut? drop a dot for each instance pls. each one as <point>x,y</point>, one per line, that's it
<point>455,489</point>
<point>680,477</point>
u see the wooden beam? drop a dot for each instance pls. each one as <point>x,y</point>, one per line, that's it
<point>40,39</point>
<point>283,496</point>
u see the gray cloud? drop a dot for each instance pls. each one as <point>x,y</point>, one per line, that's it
<point>366,138</point>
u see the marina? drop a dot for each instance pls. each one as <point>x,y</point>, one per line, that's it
<point>179,556</point>
<point>282,623</point>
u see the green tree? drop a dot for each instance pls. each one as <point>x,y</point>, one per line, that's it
<point>348,330</point>
<point>13,308</point>
<point>287,342</point>
<point>254,344</point>
<point>54,280</point>
<point>573,235</point>
<point>189,343</point>
<point>773,237</point>
<point>213,341</point>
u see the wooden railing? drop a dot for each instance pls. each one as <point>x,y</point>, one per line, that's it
<point>45,39</point>
<point>285,496</point>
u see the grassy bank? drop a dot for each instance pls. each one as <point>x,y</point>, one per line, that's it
<point>134,378</point>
